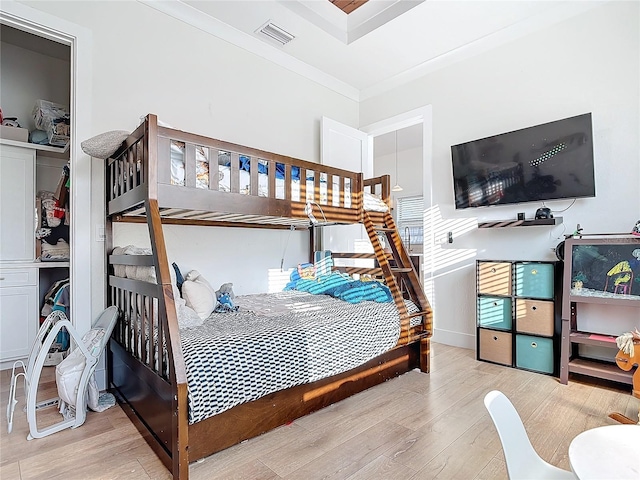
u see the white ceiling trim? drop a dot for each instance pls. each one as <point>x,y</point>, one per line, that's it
<point>213,26</point>
<point>348,28</point>
<point>482,45</point>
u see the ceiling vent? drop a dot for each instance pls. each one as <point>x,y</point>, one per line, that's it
<point>276,33</point>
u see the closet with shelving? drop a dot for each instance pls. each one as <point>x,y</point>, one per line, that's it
<point>33,258</point>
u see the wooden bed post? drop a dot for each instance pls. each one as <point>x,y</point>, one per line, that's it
<point>177,373</point>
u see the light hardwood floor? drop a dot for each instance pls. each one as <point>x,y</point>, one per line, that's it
<point>416,426</point>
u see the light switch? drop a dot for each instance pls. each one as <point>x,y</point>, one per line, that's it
<point>100,235</point>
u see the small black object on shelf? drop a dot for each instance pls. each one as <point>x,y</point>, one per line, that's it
<point>543,212</point>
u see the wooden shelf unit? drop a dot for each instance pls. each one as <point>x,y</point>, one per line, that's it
<point>625,293</point>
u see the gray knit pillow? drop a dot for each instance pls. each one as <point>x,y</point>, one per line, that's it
<point>104,145</point>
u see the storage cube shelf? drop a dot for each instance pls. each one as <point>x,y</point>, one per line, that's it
<point>518,314</point>
<point>494,312</point>
<point>534,280</point>
<point>495,346</point>
<point>534,353</point>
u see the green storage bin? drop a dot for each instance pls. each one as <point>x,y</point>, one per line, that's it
<point>534,279</point>
<point>494,312</point>
<point>534,353</point>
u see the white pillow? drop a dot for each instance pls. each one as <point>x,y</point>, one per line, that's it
<point>104,145</point>
<point>198,294</point>
<point>187,317</point>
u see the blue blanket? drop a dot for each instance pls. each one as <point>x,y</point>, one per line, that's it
<point>245,164</point>
<point>342,287</point>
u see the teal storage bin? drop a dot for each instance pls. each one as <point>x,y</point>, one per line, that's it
<point>494,312</point>
<point>534,280</point>
<point>534,353</point>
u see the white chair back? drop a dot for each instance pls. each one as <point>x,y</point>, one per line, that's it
<point>522,460</point>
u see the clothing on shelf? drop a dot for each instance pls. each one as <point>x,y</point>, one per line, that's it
<point>52,231</point>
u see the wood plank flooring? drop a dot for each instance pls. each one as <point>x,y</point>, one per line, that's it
<point>416,426</point>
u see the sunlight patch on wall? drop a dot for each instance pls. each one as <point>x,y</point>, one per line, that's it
<point>429,290</point>
<point>437,232</point>
<point>363,246</point>
<point>278,279</point>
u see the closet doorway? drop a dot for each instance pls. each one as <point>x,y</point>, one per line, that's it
<point>86,299</point>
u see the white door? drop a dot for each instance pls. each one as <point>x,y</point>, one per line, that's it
<point>348,148</point>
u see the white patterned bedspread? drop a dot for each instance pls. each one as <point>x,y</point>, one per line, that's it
<point>276,341</point>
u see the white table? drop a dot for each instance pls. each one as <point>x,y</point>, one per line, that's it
<point>606,453</point>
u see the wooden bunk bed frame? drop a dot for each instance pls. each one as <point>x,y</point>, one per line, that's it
<point>149,377</point>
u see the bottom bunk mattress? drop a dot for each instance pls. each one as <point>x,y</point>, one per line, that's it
<point>280,340</point>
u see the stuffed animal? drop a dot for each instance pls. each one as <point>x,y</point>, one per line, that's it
<point>225,304</point>
<point>225,288</point>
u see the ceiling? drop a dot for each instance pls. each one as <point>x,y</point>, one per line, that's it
<point>348,6</point>
<point>379,45</point>
<point>41,45</point>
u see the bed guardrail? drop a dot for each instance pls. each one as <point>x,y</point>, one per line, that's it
<point>200,178</point>
<point>142,330</point>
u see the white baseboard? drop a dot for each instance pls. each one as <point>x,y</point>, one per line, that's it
<point>455,339</point>
<point>8,364</point>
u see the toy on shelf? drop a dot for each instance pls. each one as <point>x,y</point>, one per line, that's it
<point>627,358</point>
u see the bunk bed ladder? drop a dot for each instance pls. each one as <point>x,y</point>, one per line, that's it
<point>401,270</point>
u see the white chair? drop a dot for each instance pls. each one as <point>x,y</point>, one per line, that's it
<point>523,462</point>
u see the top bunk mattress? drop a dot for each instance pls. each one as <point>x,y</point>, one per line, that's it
<point>280,340</point>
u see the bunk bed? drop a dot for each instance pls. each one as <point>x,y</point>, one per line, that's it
<point>161,175</point>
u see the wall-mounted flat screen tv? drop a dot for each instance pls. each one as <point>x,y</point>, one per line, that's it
<point>545,162</point>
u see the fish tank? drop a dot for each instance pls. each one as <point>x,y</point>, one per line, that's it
<point>603,268</point>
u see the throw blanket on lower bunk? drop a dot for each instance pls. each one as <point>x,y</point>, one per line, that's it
<point>341,286</point>
<point>241,356</point>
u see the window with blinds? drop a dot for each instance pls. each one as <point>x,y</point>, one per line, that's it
<point>409,215</point>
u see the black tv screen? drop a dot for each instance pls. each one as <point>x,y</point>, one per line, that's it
<point>549,161</point>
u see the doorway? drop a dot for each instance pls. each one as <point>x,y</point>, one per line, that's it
<point>400,135</point>
<point>87,291</point>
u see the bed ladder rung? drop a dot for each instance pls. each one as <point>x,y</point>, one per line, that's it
<point>418,314</point>
<point>398,269</point>
<point>401,270</point>
<point>359,270</point>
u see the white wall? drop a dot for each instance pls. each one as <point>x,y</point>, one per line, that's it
<point>246,257</point>
<point>27,76</point>
<point>146,62</point>
<point>589,63</point>
<point>410,170</point>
